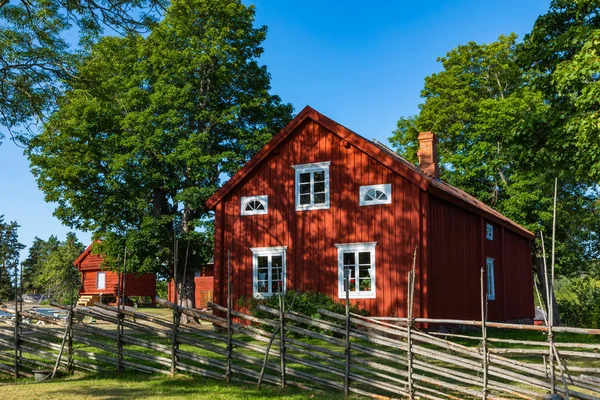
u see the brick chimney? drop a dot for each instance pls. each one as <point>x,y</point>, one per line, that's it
<point>428,159</point>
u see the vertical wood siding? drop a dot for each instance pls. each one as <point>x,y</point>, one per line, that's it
<point>310,236</point>
<point>458,249</point>
<point>142,285</point>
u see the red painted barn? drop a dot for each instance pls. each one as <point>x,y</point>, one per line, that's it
<point>319,198</point>
<point>96,281</point>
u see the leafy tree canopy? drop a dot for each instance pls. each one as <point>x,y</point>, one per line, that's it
<point>56,276</point>
<point>32,267</point>
<point>506,129</point>
<point>144,135</point>
<point>9,256</point>
<point>35,54</point>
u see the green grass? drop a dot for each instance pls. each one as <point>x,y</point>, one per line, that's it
<point>143,386</point>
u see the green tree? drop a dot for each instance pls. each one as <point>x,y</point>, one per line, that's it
<point>145,134</point>
<point>499,141</point>
<point>9,257</point>
<point>561,56</point>
<point>57,277</point>
<point>35,53</point>
<point>39,252</point>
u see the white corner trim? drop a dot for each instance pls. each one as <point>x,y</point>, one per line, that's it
<point>268,250</point>
<point>264,199</point>
<point>385,188</point>
<point>312,166</point>
<point>356,246</point>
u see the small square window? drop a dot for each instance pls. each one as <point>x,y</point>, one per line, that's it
<point>375,194</point>
<point>312,186</point>
<point>489,231</point>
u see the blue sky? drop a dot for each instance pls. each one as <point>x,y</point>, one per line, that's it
<point>360,63</point>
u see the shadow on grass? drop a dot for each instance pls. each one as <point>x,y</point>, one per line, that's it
<point>139,386</point>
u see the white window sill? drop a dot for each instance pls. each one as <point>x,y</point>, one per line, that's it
<point>312,207</point>
<point>365,295</point>
<point>261,296</point>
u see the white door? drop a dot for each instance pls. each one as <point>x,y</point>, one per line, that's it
<point>101,280</point>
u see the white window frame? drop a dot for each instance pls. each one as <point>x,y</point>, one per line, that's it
<point>264,199</point>
<point>269,252</point>
<point>302,168</point>
<point>98,280</point>
<point>356,247</point>
<point>489,231</point>
<point>385,188</point>
<point>491,283</point>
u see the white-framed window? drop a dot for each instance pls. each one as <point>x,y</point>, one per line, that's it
<point>375,194</point>
<point>359,260</point>
<point>491,286</point>
<point>255,205</point>
<point>489,231</point>
<point>101,280</point>
<point>268,270</point>
<point>312,186</point>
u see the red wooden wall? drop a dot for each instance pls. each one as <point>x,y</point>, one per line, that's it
<point>202,286</point>
<point>310,236</point>
<point>458,249</point>
<point>90,265</point>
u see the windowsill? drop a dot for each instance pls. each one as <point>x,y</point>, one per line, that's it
<point>366,295</point>
<point>312,207</point>
<point>375,203</point>
<point>264,295</point>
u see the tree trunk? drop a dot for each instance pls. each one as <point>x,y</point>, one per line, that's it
<point>539,261</point>
<point>185,292</point>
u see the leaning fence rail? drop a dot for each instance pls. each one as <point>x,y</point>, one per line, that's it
<point>391,357</point>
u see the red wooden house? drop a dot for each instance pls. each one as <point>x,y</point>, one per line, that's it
<point>96,281</point>
<point>319,198</point>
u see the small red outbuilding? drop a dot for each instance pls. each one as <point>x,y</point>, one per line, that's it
<point>319,199</point>
<point>96,281</point>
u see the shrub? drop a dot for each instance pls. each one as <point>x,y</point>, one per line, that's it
<point>306,303</point>
<point>578,302</point>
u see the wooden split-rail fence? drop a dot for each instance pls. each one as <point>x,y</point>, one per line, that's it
<point>350,353</point>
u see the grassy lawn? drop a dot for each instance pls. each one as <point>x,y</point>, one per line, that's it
<point>134,386</point>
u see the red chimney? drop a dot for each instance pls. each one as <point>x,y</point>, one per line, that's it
<point>428,159</point>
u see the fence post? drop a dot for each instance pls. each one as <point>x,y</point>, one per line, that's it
<point>409,322</point>
<point>119,345</point>
<point>175,324</point>
<point>17,328</point>
<point>484,336</point>
<point>16,343</point>
<point>282,337</point>
<point>229,330</point>
<point>549,320</point>
<point>347,370</point>
<point>70,348</point>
